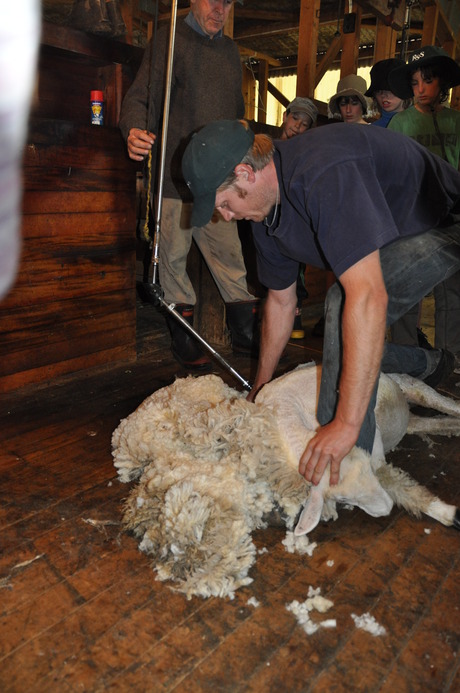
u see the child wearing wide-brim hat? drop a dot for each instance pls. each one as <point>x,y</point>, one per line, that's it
<point>428,56</point>
<point>350,86</point>
<point>428,76</point>
<point>387,102</point>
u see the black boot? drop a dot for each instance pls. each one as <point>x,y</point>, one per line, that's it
<point>184,346</point>
<point>243,323</point>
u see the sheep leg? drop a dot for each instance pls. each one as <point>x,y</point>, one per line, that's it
<point>418,392</point>
<point>436,425</point>
<point>415,498</point>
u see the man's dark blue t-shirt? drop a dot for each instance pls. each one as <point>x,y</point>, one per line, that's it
<point>347,190</point>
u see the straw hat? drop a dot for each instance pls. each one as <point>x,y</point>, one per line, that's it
<point>351,85</point>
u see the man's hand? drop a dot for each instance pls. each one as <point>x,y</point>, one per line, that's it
<point>363,335</point>
<point>139,143</point>
<point>329,446</point>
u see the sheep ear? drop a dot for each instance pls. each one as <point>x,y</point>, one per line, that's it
<point>311,514</point>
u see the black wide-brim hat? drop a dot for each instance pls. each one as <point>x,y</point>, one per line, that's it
<point>379,75</point>
<point>400,78</point>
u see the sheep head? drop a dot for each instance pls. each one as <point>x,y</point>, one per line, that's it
<point>358,486</point>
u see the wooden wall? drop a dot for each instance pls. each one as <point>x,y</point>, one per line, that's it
<point>73,304</point>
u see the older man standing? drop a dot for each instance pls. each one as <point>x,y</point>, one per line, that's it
<point>379,210</point>
<point>206,85</point>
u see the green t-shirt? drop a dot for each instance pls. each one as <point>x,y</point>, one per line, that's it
<point>421,127</point>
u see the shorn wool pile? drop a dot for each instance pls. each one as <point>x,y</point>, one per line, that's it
<point>210,466</point>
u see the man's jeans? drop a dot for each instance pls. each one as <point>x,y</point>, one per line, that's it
<point>411,267</point>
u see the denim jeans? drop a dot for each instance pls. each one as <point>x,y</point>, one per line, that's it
<point>446,318</point>
<point>412,267</point>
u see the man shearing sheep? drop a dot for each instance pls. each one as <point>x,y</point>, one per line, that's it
<point>379,210</point>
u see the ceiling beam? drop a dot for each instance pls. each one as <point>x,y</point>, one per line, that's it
<point>257,55</point>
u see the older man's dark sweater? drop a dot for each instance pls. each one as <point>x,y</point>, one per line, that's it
<point>206,86</point>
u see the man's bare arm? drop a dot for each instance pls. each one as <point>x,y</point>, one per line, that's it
<point>277,321</point>
<point>363,335</point>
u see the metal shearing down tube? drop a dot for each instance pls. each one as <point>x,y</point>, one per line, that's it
<point>153,288</point>
<point>170,307</point>
<point>164,140</point>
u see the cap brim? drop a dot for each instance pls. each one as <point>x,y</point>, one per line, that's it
<point>300,110</point>
<point>203,209</point>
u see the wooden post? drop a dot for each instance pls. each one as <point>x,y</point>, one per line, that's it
<point>329,57</point>
<point>228,28</point>
<point>385,41</point>
<point>350,50</point>
<point>249,93</point>
<point>263,91</point>
<point>430,25</point>
<point>308,41</point>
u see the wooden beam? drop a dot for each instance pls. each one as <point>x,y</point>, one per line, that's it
<point>385,41</point>
<point>266,15</point>
<point>263,91</point>
<point>249,93</point>
<point>166,17</point>
<point>393,17</point>
<point>350,50</point>
<point>250,53</point>
<point>430,25</point>
<point>307,47</point>
<point>279,96</point>
<point>228,28</point>
<point>328,58</point>
<point>267,29</point>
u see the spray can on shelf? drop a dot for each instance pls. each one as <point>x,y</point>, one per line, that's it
<point>97,108</point>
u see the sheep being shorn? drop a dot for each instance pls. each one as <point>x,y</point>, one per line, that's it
<point>369,483</point>
<point>210,466</point>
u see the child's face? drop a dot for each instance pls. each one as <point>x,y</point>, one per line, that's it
<point>426,89</point>
<point>388,102</point>
<point>294,124</point>
<point>351,109</point>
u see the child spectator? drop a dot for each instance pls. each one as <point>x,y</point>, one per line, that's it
<point>428,76</point>
<point>388,104</point>
<point>350,103</point>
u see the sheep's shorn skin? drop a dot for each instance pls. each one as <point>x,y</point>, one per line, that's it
<point>210,465</point>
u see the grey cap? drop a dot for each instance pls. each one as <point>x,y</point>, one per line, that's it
<point>303,105</point>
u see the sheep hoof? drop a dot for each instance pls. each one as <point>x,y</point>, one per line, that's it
<point>456,522</point>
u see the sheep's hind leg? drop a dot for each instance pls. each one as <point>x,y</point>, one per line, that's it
<point>415,498</point>
<point>436,425</point>
<point>418,392</point>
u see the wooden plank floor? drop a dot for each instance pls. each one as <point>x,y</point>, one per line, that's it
<point>81,609</point>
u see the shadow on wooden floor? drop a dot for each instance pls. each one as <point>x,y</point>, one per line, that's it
<point>81,609</point>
